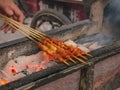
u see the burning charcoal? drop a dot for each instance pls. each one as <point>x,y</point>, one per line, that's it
<point>16,76</point>
<point>83,48</point>
<point>3,82</point>
<point>35,68</point>
<point>4,77</point>
<point>25,65</point>
<point>46,58</point>
<point>11,67</point>
<point>94,46</point>
<point>24,60</point>
<point>2,74</point>
<point>16,61</point>
<point>25,72</point>
<point>70,42</point>
<point>49,64</point>
<point>11,53</point>
<point>95,41</point>
<point>22,66</point>
<point>87,44</point>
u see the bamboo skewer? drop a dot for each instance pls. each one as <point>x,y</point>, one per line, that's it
<point>39,38</point>
<point>25,28</point>
<point>36,36</point>
<point>27,33</point>
<point>6,19</point>
<point>30,32</point>
<point>23,33</point>
<point>71,60</point>
<point>66,63</point>
<point>82,57</point>
<point>36,42</point>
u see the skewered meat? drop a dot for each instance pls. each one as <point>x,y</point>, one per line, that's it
<point>61,51</point>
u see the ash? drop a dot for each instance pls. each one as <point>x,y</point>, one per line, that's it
<point>23,66</point>
<point>95,41</point>
<point>26,65</point>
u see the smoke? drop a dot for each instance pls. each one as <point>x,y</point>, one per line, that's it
<point>112,17</point>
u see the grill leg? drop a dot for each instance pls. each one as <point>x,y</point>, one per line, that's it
<point>86,78</point>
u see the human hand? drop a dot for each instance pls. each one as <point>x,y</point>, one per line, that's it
<point>11,10</point>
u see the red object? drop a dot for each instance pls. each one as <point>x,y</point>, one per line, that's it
<point>33,5</point>
<point>80,12</point>
<point>69,1</point>
<point>73,6</point>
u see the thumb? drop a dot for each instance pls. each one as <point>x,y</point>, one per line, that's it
<point>9,12</point>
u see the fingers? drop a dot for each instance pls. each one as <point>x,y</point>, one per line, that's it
<point>17,13</point>
<point>5,27</point>
<point>8,11</point>
<point>8,28</point>
<point>12,10</point>
<point>13,30</point>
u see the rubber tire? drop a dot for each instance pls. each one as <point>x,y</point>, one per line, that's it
<point>51,12</point>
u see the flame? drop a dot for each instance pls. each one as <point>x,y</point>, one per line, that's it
<point>47,57</point>
<point>3,81</point>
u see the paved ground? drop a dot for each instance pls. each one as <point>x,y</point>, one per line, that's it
<point>5,37</point>
<point>9,36</point>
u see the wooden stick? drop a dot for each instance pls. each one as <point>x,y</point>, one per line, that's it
<point>30,32</point>
<point>22,32</point>
<point>28,28</point>
<point>36,35</point>
<point>19,25</point>
<point>26,31</point>
<point>66,62</point>
<point>72,60</point>
<point>88,54</point>
<point>82,57</point>
<point>80,60</point>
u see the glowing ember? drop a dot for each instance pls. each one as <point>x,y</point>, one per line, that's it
<point>38,67</point>
<point>13,71</point>
<point>47,58</point>
<point>26,65</point>
<point>3,81</point>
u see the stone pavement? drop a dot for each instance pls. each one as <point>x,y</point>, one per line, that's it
<point>6,37</point>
